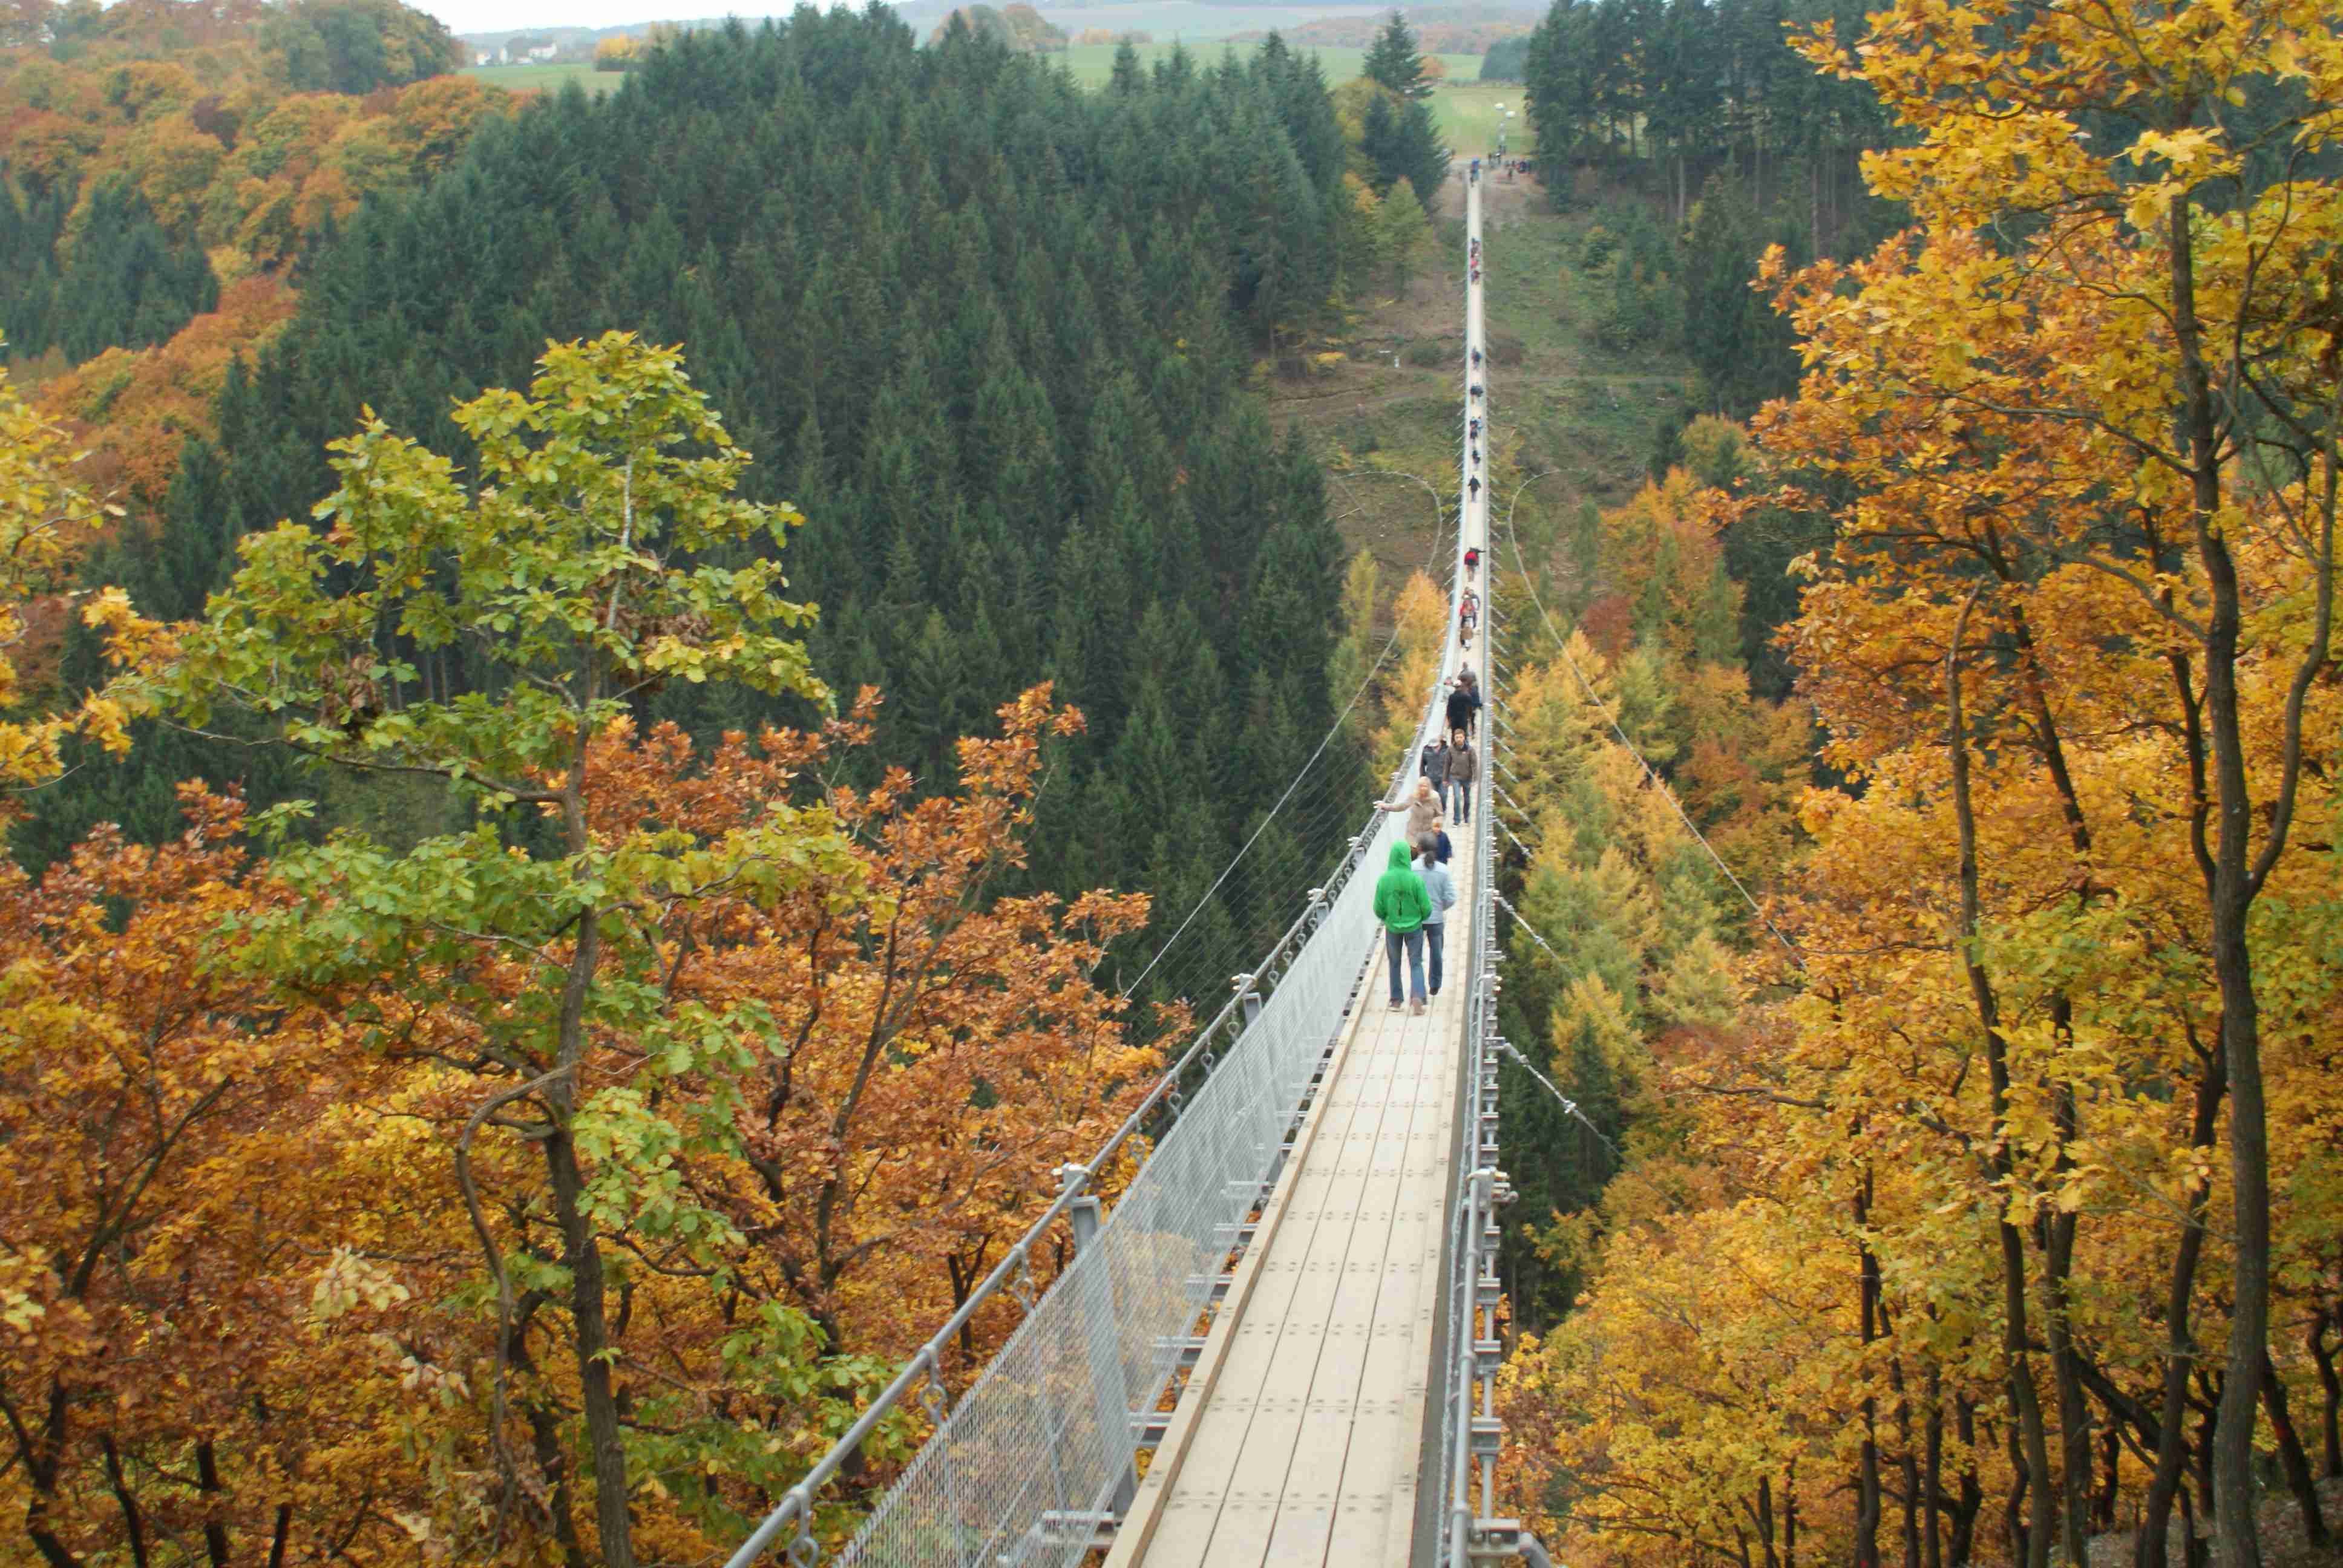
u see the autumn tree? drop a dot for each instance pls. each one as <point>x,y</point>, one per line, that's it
<point>735,1075</point>
<point>356,46</point>
<point>46,521</point>
<point>577,571</point>
<point>2168,424</point>
<point>173,1222</point>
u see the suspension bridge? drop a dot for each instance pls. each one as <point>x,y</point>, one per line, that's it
<point>1277,1345</point>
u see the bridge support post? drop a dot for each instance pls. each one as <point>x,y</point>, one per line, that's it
<point>1248,997</point>
<point>1103,1341</point>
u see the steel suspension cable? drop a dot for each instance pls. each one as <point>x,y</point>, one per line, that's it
<point>1594,700</point>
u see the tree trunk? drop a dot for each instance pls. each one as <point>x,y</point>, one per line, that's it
<point>1908,1463</point>
<point>2180,1342</point>
<point>2029,1445</point>
<point>2200,1550</point>
<point>2074,1410</point>
<point>2331,1387</point>
<point>2020,1540</point>
<point>2229,894</point>
<point>1932,1480</point>
<point>1960,1543</point>
<point>207,1482</point>
<point>2290,1455</point>
<point>134,1522</point>
<point>560,1504</point>
<point>1790,1517</point>
<point>588,1311</point>
<point>2110,1488</point>
<point>1867,1473</point>
<point>1766,1521</point>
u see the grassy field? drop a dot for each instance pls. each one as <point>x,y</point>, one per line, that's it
<point>544,79</point>
<point>1465,107</point>
<point>1092,63</point>
<point>1469,116</point>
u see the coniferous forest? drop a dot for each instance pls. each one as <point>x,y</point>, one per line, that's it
<point>1000,331</point>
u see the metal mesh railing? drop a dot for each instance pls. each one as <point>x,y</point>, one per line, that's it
<point>1044,1439</point>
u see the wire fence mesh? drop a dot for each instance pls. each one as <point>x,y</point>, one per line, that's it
<point>1047,1429</point>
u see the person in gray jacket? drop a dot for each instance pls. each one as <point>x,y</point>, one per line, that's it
<point>1462,771</point>
<point>1441,888</point>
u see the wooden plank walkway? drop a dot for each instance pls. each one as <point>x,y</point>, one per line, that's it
<point>1299,1438</point>
<point>1306,1451</point>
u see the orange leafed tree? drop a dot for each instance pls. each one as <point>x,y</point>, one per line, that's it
<point>171,1209</point>
<point>715,1079</point>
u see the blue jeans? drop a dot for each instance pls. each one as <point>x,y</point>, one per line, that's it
<point>1431,931</point>
<point>1460,802</point>
<point>1440,788</point>
<point>1412,943</point>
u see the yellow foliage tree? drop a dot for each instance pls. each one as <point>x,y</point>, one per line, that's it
<point>45,519</point>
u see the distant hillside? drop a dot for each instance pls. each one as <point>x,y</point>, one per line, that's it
<point>1020,27</point>
<point>1440,30</point>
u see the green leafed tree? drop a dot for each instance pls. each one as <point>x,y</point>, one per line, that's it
<point>355,45</point>
<point>577,567</point>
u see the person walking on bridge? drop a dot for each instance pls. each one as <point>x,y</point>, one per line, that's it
<point>1464,703</point>
<point>1422,807</point>
<point>1439,892</point>
<point>1463,772</point>
<point>1403,905</point>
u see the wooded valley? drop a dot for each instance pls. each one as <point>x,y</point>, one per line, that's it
<point>626,719</point>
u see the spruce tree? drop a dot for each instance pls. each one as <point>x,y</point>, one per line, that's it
<point>1406,234</point>
<point>1396,61</point>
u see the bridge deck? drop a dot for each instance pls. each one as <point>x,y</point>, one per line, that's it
<point>1299,1438</point>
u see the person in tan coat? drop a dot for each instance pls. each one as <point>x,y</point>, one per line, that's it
<point>1423,809</point>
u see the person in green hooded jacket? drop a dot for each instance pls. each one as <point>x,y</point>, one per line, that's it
<point>1403,905</point>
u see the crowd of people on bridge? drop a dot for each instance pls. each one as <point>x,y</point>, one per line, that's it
<point>1416,892</point>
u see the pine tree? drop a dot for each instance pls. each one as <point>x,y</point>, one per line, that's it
<point>1396,61</point>
<point>1128,80</point>
<point>1406,236</point>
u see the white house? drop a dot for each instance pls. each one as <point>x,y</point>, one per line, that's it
<point>544,51</point>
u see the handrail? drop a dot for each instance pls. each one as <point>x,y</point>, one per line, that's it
<point>1472,1535</point>
<point>797,1504</point>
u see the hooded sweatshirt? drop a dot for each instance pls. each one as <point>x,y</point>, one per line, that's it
<point>1440,888</point>
<point>1400,902</point>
